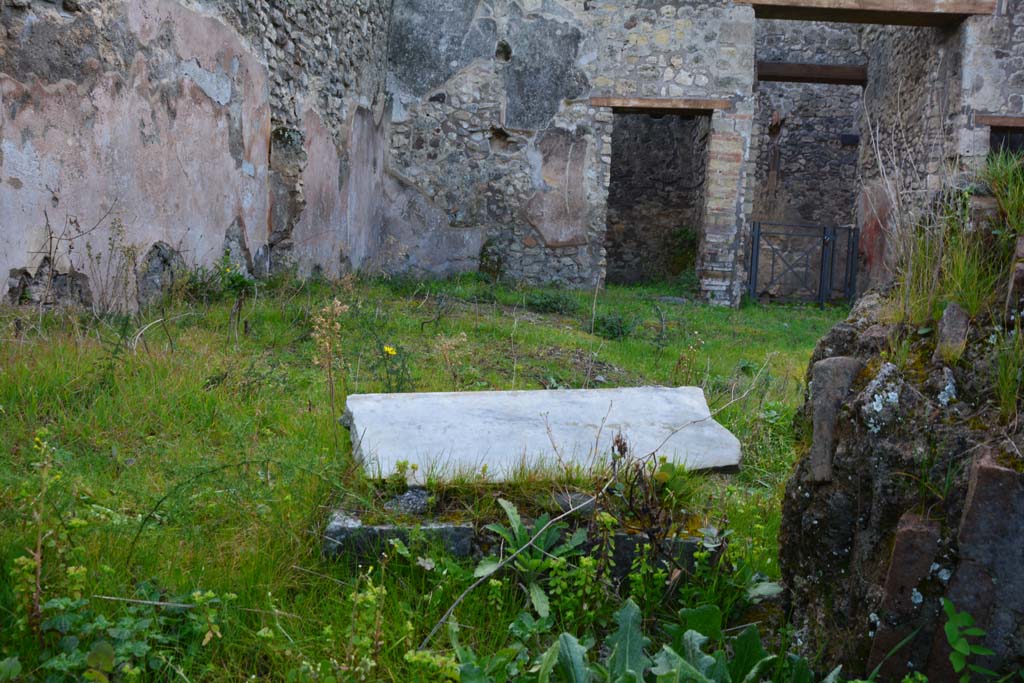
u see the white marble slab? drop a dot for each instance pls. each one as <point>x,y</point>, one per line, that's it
<point>501,432</point>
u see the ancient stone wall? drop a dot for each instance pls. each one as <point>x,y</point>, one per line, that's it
<point>136,130</point>
<point>806,163</point>
<point>476,90</point>
<point>327,62</point>
<point>656,196</point>
<point>910,132</point>
<point>491,123</point>
<point>810,42</point>
<point>433,137</point>
<point>126,128</point>
<point>807,153</point>
<point>926,86</point>
<point>690,49</point>
<point>908,492</point>
<point>993,72</point>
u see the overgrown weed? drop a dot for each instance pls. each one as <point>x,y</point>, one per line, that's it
<point>223,452</point>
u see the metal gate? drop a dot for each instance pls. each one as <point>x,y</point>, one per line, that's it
<point>792,262</point>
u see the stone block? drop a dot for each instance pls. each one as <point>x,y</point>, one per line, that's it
<point>988,577</point>
<point>952,334</point>
<point>831,380</point>
<point>346,537</point>
<point>914,551</point>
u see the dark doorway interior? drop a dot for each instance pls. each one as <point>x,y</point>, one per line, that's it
<point>1007,139</point>
<point>656,195</point>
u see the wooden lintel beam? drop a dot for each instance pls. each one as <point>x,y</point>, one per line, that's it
<point>999,121</point>
<point>890,12</point>
<point>666,104</point>
<point>833,74</point>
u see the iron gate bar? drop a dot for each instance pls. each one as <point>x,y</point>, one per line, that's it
<point>755,258</point>
<point>825,275</point>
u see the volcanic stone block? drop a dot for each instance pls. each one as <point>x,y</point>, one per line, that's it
<point>831,381</point>
<point>500,433</point>
<point>952,336</point>
<point>347,537</point>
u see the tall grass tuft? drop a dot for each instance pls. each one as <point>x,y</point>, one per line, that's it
<point>1004,174</point>
<point>950,257</point>
<point>1009,372</point>
<point>975,260</point>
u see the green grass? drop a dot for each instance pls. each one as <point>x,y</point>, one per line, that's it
<point>951,257</point>
<point>205,458</point>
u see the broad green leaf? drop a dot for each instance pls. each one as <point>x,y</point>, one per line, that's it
<point>693,652</point>
<point>400,547</point>
<point>540,601</point>
<point>989,673</point>
<point>761,668</point>
<point>572,660</point>
<point>706,620</point>
<point>575,541</point>
<point>800,670</point>
<point>503,532</point>
<point>627,644</point>
<point>962,646</point>
<point>747,653</point>
<point>514,519</point>
<point>951,631</point>
<point>101,656</point>
<point>958,661</point>
<point>10,669</point>
<point>486,567</point>
<point>669,667</point>
<point>719,671</point>
<point>547,663</point>
<point>472,673</point>
<point>465,655</point>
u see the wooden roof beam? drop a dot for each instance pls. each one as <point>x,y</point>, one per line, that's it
<point>667,105</point>
<point>890,12</point>
<point>831,74</point>
<point>999,121</point>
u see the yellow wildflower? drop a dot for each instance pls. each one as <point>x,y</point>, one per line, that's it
<point>391,350</point>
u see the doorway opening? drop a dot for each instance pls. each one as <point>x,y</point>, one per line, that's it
<point>656,196</point>
<point>1005,139</point>
<point>803,244</point>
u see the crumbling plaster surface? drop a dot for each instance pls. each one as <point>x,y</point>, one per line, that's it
<point>157,115</point>
<point>163,129</point>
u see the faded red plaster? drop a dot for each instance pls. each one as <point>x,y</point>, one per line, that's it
<point>337,231</point>
<point>114,142</point>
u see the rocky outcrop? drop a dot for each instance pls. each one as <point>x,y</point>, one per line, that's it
<point>911,491</point>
